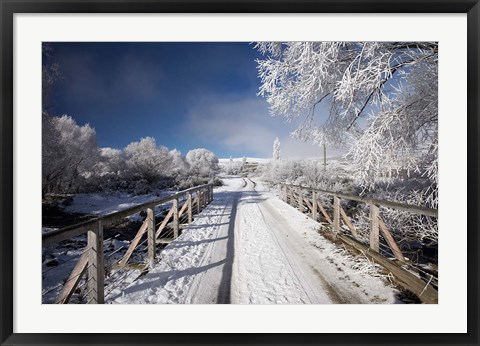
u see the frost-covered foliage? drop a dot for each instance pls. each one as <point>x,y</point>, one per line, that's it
<point>276,149</point>
<point>147,161</point>
<point>407,228</point>
<point>309,173</point>
<point>203,163</point>
<point>179,166</point>
<point>382,99</point>
<point>67,151</point>
<point>233,167</point>
<point>72,162</point>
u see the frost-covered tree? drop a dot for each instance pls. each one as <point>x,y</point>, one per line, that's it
<point>179,166</point>
<point>381,98</point>
<point>276,149</point>
<point>68,150</point>
<point>144,160</point>
<point>244,161</point>
<point>233,167</point>
<point>203,163</point>
<point>111,161</point>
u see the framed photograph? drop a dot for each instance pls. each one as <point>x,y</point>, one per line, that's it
<point>239,172</point>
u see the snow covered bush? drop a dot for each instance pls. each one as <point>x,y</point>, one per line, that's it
<point>233,167</point>
<point>145,161</point>
<point>203,163</point>
<point>308,173</point>
<point>179,166</point>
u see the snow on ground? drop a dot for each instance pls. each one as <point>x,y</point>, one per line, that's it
<point>184,261</point>
<point>59,260</point>
<point>329,261</point>
<point>249,247</point>
<point>103,204</point>
<point>249,160</point>
<point>48,229</point>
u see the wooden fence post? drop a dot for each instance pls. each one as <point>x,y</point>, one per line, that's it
<point>348,223</point>
<point>151,235</point>
<point>199,197</point>
<point>300,200</point>
<point>374,228</point>
<point>189,208</point>
<point>175,218</point>
<point>336,214</point>
<point>73,279</point>
<point>390,240</point>
<point>96,270</point>
<point>314,205</point>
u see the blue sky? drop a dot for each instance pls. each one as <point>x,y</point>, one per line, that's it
<point>185,95</point>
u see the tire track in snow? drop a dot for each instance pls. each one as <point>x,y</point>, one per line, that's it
<point>266,274</point>
<point>311,283</point>
<point>215,284</point>
<point>192,295</point>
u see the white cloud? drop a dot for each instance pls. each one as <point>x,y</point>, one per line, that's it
<point>242,126</point>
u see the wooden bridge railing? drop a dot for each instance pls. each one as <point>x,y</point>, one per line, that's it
<point>306,199</point>
<point>91,261</point>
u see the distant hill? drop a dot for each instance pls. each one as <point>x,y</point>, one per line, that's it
<point>249,160</point>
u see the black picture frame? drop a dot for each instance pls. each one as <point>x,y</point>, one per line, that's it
<point>10,7</point>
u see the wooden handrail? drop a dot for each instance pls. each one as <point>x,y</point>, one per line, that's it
<point>83,227</point>
<point>395,205</point>
<point>91,262</point>
<point>425,291</point>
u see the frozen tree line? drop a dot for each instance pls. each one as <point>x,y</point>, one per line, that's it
<point>72,162</point>
<point>380,98</point>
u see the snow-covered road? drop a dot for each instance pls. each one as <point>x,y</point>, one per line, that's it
<point>249,247</point>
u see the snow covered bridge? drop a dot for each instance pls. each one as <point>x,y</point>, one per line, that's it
<point>246,247</point>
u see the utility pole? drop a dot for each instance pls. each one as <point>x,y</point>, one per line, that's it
<point>324,156</point>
